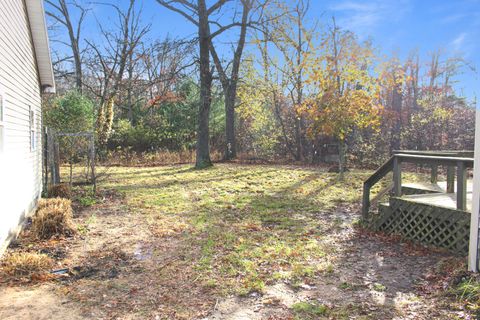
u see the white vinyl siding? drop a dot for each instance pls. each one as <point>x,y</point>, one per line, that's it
<point>21,167</point>
<point>2,124</point>
<point>31,120</point>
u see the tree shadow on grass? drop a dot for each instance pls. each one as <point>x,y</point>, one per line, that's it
<point>188,183</point>
<point>139,172</point>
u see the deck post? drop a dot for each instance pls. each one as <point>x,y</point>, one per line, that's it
<point>450,179</point>
<point>474,216</point>
<point>461,186</point>
<point>397,177</point>
<point>434,174</point>
<point>366,201</point>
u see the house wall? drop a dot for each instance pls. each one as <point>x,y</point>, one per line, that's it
<point>20,167</point>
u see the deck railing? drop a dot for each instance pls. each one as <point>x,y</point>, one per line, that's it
<point>459,160</point>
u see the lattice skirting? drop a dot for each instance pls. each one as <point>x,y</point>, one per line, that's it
<point>442,227</point>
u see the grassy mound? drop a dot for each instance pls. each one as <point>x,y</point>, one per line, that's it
<point>26,264</point>
<point>62,190</point>
<point>53,218</point>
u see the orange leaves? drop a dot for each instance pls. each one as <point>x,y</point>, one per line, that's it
<point>167,97</point>
<point>346,94</point>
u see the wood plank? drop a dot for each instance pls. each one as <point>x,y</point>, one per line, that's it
<point>444,200</point>
<point>424,186</point>
<point>436,160</point>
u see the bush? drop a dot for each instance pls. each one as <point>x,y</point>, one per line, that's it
<point>137,138</point>
<point>21,264</point>
<point>72,112</point>
<point>62,190</point>
<point>53,218</point>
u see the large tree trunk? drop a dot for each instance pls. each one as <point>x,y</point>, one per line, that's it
<point>298,138</point>
<point>203,135</point>
<point>229,83</point>
<point>231,148</point>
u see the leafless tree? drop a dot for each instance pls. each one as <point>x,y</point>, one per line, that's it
<point>286,27</point>
<point>198,13</point>
<point>251,14</point>
<point>110,58</point>
<point>59,11</point>
<point>211,24</point>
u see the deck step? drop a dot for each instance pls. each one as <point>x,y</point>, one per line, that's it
<point>384,213</point>
<point>421,188</point>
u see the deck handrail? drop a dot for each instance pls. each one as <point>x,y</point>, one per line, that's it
<point>457,153</point>
<point>438,160</point>
<point>371,181</point>
<point>434,158</point>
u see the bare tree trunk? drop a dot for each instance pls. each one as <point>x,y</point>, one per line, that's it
<point>415,82</point>
<point>203,144</point>
<point>298,139</point>
<point>229,83</point>
<point>231,148</point>
<point>299,80</point>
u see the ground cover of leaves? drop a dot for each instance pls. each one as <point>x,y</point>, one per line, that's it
<point>231,242</point>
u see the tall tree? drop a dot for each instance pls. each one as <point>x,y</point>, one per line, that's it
<point>59,11</point>
<point>287,28</point>
<point>228,73</point>
<point>198,13</point>
<point>110,59</point>
<point>294,40</point>
<point>345,95</point>
<point>204,17</point>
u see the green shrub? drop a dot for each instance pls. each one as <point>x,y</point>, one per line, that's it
<point>71,112</point>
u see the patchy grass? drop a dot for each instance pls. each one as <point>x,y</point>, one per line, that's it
<point>306,310</point>
<point>379,287</point>
<point>468,289</point>
<point>252,225</point>
<point>173,242</point>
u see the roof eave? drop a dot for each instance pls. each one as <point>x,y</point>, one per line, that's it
<point>38,27</point>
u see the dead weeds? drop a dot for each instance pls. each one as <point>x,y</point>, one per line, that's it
<point>25,266</point>
<point>53,218</point>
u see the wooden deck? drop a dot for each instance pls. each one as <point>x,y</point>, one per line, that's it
<point>434,213</point>
<point>435,194</point>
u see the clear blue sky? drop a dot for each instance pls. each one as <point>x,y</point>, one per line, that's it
<point>399,26</point>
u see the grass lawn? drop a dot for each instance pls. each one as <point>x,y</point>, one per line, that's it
<point>250,225</point>
<point>233,241</point>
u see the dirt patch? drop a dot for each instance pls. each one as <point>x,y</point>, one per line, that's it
<point>371,278</point>
<point>36,303</point>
